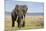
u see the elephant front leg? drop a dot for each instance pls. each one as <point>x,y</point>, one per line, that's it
<point>23,24</point>
<point>13,20</point>
<point>13,23</point>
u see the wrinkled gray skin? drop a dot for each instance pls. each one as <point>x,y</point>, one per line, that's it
<point>20,12</point>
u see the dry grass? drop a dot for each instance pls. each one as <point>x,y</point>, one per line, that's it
<point>32,22</point>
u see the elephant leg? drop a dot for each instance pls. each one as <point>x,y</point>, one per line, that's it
<point>23,24</point>
<point>13,23</point>
<point>18,22</point>
<point>13,20</point>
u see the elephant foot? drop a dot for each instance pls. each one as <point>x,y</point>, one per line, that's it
<point>13,25</point>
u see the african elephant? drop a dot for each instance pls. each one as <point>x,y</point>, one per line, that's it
<point>20,12</point>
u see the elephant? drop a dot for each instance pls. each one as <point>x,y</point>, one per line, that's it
<point>20,12</point>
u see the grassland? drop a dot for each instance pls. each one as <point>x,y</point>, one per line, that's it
<point>31,22</point>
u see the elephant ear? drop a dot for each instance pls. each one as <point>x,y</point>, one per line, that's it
<point>16,9</point>
<point>25,9</point>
